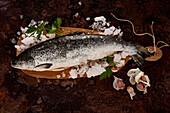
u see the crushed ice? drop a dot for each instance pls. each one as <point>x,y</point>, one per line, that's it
<point>101,24</point>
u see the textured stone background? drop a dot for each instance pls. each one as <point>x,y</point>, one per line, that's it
<point>23,94</point>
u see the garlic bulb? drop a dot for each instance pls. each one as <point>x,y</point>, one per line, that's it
<point>143,84</point>
<point>137,76</point>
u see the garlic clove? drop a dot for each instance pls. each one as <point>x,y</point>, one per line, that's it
<point>144,79</point>
<point>132,80</point>
<point>118,83</point>
<point>138,76</point>
<point>131,92</point>
<point>145,91</point>
<point>114,70</point>
<point>133,72</point>
<point>140,87</point>
<point>147,80</point>
<point>121,85</point>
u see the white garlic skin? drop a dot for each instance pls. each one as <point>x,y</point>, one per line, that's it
<point>133,72</point>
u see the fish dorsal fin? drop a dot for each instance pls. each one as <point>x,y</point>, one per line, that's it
<point>44,66</point>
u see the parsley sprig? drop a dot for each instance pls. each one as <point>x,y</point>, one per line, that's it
<point>108,71</point>
<point>54,28</point>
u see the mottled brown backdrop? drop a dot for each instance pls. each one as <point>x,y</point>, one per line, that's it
<point>20,93</point>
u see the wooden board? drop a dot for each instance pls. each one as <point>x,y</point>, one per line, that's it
<point>54,74</point>
<point>156,56</point>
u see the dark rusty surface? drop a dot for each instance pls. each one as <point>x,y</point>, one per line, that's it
<point>23,94</point>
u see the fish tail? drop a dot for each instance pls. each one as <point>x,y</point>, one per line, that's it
<point>142,53</point>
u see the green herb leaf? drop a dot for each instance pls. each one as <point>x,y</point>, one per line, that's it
<point>53,29</point>
<point>109,60</point>
<point>31,29</point>
<point>39,33</point>
<point>106,74</point>
<point>42,25</point>
<point>32,33</point>
<point>58,22</point>
<point>38,37</point>
<point>48,28</point>
<point>114,65</point>
<point>55,23</point>
<point>103,75</point>
<point>109,71</point>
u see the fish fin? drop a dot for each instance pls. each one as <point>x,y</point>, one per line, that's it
<point>138,59</point>
<point>44,66</point>
<point>142,53</point>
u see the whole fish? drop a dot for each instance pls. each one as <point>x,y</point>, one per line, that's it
<point>75,49</point>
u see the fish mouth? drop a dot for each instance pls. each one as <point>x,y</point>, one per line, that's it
<point>14,65</point>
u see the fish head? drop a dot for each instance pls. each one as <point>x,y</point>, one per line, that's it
<point>24,61</point>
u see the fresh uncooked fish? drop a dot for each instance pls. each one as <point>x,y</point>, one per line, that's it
<point>75,49</point>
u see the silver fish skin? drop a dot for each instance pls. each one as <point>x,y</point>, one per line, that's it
<point>75,49</point>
